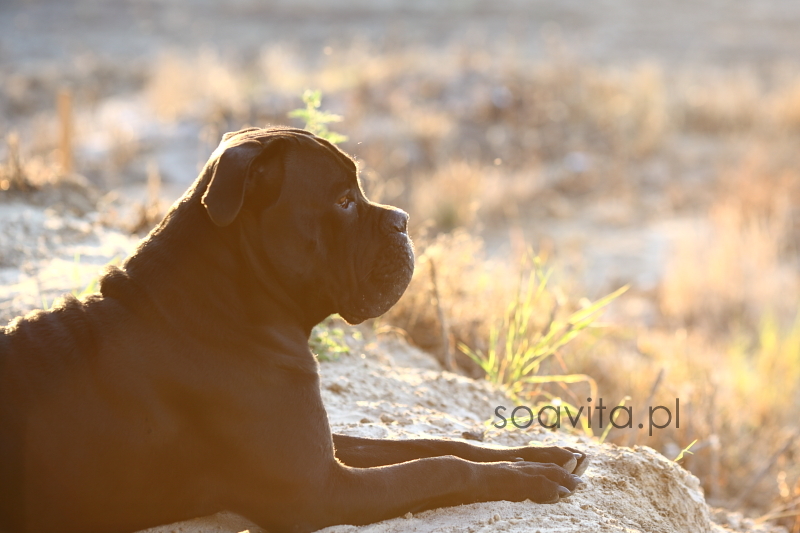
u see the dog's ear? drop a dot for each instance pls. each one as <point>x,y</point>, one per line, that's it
<point>225,193</point>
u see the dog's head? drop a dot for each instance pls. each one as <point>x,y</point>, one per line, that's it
<point>297,206</point>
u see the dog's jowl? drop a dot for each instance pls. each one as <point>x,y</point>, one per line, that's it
<point>163,397</point>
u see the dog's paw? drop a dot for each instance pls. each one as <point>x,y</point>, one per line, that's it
<point>570,459</point>
<point>544,482</point>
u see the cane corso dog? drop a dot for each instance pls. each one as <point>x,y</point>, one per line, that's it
<point>186,385</point>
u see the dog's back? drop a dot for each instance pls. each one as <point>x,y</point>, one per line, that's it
<point>36,353</point>
<point>65,327</point>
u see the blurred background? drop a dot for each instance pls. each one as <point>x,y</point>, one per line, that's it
<point>625,142</point>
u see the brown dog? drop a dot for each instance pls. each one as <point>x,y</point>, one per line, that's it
<point>186,386</point>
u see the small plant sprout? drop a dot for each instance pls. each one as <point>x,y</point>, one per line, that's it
<point>327,340</point>
<point>685,451</point>
<point>315,120</point>
<point>79,291</point>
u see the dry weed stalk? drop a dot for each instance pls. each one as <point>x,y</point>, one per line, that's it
<point>66,130</point>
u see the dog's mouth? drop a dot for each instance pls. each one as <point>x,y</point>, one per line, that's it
<point>353,319</point>
<point>384,285</point>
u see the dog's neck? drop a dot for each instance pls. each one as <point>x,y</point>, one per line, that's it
<point>227,283</point>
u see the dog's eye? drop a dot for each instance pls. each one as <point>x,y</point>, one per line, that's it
<point>344,202</point>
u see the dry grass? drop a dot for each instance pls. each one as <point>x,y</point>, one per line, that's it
<point>203,86</point>
<point>741,263</point>
<point>471,289</point>
<point>22,173</point>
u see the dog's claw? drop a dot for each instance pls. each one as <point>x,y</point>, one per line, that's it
<point>571,465</point>
<point>583,463</point>
<point>563,492</point>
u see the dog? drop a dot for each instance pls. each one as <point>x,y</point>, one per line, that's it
<point>186,385</point>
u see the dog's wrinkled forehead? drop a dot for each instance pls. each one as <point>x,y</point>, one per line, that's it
<point>302,137</point>
<point>229,172</point>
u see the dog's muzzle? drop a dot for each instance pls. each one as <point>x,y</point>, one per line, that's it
<point>390,272</point>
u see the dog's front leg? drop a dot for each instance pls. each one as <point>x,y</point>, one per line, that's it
<point>363,453</point>
<point>367,495</point>
<point>290,480</point>
<point>357,496</point>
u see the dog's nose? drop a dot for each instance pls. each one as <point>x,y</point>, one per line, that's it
<point>395,220</point>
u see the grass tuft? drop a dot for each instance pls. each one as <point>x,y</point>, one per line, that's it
<point>517,351</point>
